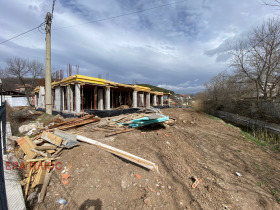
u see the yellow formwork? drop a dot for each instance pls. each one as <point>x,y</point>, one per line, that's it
<point>97,81</point>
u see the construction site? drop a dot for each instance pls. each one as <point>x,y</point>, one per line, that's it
<point>78,94</point>
<point>169,158</point>
<point>91,143</point>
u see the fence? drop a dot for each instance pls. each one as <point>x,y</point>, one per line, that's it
<point>3,197</point>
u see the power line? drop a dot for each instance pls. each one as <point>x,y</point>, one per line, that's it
<point>23,33</point>
<point>94,21</point>
<point>122,15</point>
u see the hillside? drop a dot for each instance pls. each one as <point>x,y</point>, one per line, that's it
<point>155,88</point>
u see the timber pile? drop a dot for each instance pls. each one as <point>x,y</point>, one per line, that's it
<point>130,122</point>
<point>67,124</point>
<point>37,156</point>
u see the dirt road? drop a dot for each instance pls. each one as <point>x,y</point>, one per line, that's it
<point>197,146</point>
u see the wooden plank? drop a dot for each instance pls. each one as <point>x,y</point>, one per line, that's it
<point>133,158</point>
<point>42,159</point>
<point>44,188</point>
<point>39,152</point>
<point>57,152</point>
<point>118,132</point>
<point>28,183</point>
<point>51,151</point>
<point>51,138</point>
<point>26,144</point>
<point>40,148</point>
<point>40,176</point>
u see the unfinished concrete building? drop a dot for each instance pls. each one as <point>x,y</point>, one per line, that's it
<point>79,93</point>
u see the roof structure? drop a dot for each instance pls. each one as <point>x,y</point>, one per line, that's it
<point>86,80</point>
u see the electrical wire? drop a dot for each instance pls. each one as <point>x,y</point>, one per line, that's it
<point>22,33</point>
<point>122,15</point>
<point>94,21</point>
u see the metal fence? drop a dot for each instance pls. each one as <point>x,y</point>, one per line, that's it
<point>3,197</point>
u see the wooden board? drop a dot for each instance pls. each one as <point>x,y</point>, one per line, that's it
<point>133,158</point>
<point>51,138</point>
<point>40,176</point>
<point>26,144</point>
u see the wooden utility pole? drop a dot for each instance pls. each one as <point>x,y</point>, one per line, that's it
<point>48,87</point>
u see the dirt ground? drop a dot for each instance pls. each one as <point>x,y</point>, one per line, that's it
<point>197,146</point>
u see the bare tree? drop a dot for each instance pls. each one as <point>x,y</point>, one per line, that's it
<point>26,72</point>
<point>2,73</point>
<point>258,58</point>
<point>272,3</point>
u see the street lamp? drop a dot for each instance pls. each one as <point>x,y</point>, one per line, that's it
<point>1,90</point>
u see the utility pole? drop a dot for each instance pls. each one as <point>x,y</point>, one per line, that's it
<point>48,86</point>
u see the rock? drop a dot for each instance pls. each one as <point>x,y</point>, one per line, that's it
<point>32,196</point>
<point>147,201</point>
<point>30,126</point>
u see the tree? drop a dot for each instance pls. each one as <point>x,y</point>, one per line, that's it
<point>258,59</point>
<point>273,3</point>
<point>27,72</point>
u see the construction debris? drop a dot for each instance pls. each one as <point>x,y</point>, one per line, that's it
<point>69,139</point>
<point>74,123</point>
<point>148,120</point>
<point>38,153</point>
<point>122,131</point>
<point>51,138</point>
<point>26,144</point>
<point>44,187</point>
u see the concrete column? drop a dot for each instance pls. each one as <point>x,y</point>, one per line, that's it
<point>36,100</point>
<point>100,99</point>
<point>169,102</point>
<point>141,98</point>
<point>78,97</point>
<point>41,102</point>
<point>62,98</point>
<point>134,102</point>
<point>161,100</point>
<point>148,101</point>
<point>107,98</point>
<point>155,100</point>
<point>69,99</point>
<point>57,99</point>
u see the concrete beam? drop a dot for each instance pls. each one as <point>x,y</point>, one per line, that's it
<point>148,101</point>
<point>107,98</point>
<point>100,99</point>
<point>78,97</point>
<point>134,102</point>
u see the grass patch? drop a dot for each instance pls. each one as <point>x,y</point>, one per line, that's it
<point>275,193</point>
<point>214,118</point>
<point>45,119</point>
<point>249,137</point>
<point>230,125</point>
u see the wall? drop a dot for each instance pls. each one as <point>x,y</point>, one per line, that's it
<point>16,101</point>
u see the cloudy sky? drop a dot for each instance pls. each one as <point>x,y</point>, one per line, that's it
<point>178,47</point>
